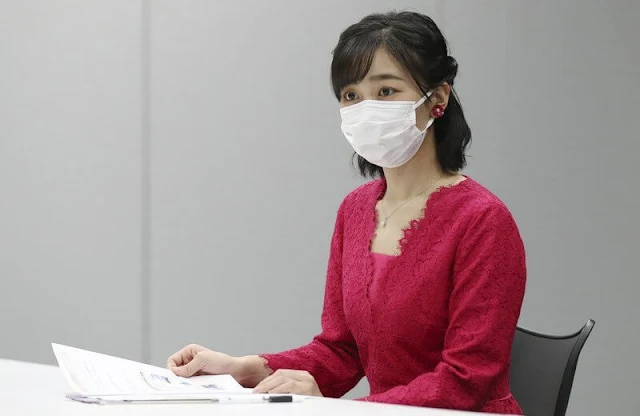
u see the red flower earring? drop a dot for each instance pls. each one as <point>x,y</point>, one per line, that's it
<point>437,111</point>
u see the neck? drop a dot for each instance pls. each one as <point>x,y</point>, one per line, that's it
<point>413,177</point>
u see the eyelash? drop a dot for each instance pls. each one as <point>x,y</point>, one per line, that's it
<point>392,91</point>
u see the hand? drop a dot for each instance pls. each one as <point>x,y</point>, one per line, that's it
<point>194,360</point>
<point>289,382</point>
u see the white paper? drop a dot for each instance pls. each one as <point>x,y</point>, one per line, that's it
<point>92,374</point>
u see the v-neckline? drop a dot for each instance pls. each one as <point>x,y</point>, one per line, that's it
<point>404,243</point>
<point>415,224</point>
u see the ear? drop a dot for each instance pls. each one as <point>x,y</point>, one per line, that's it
<point>440,95</point>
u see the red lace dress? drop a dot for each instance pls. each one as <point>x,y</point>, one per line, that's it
<point>431,327</point>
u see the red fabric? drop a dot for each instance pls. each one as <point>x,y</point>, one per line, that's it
<point>435,326</point>
<point>380,262</point>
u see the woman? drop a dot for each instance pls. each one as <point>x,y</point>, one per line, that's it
<point>427,269</point>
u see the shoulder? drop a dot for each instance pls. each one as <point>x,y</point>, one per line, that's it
<point>488,232</point>
<point>362,198</point>
<point>371,189</point>
<point>469,210</point>
<point>488,224</point>
<point>474,203</point>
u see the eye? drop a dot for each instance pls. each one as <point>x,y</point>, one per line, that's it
<point>386,92</point>
<point>350,96</point>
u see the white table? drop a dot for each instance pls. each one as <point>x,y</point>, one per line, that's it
<point>37,389</point>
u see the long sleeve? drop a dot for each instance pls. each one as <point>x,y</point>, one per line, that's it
<point>332,357</point>
<point>488,283</point>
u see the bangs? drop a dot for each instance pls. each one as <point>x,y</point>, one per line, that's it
<point>352,60</point>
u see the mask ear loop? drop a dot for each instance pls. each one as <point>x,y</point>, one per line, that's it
<point>418,104</point>
<point>423,99</point>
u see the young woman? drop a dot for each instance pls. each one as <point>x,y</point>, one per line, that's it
<point>427,272</point>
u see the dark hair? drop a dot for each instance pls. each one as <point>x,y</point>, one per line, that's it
<point>416,42</point>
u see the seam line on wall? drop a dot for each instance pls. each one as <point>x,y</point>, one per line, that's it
<point>145,278</point>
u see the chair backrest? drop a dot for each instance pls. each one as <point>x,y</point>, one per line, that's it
<point>542,369</point>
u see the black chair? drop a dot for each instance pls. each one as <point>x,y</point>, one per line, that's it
<point>542,369</point>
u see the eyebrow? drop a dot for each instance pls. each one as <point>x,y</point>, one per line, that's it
<point>384,77</point>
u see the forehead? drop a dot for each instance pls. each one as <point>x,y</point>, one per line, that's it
<point>355,63</point>
<point>384,62</point>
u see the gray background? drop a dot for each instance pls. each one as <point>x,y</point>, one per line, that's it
<point>170,171</point>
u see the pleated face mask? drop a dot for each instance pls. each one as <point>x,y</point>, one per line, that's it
<point>384,132</point>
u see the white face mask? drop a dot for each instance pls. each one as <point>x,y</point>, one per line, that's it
<point>384,132</point>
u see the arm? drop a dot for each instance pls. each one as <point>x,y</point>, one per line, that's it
<point>332,357</point>
<point>488,287</point>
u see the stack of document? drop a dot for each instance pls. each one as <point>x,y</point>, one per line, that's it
<point>103,379</point>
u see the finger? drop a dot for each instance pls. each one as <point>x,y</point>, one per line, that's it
<point>298,375</point>
<point>270,383</point>
<point>192,367</point>
<point>285,388</point>
<point>267,383</point>
<point>175,360</point>
<point>183,356</point>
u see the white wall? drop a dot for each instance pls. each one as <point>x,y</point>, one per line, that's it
<point>69,177</point>
<point>171,170</point>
